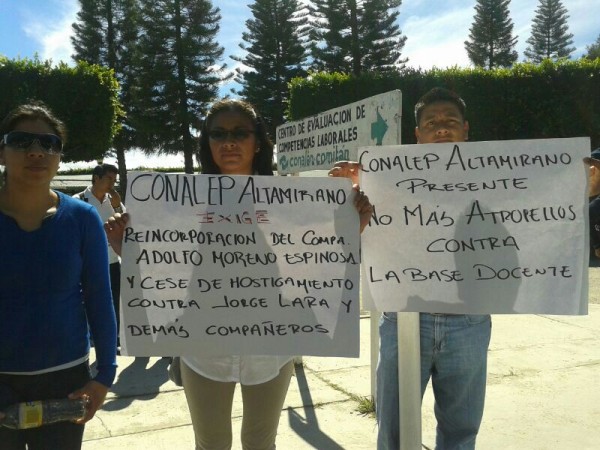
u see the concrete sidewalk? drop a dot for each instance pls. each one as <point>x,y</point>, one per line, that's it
<point>542,394</point>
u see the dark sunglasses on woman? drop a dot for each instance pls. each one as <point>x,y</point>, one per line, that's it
<point>22,140</point>
<point>239,134</point>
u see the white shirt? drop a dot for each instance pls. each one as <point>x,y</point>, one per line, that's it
<point>105,210</point>
<point>246,369</point>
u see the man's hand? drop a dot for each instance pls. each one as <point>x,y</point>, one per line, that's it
<point>95,393</point>
<point>115,198</point>
<point>115,229</point>
<point>351,169</point>
<point>363,206</point>
<point>346,169</point>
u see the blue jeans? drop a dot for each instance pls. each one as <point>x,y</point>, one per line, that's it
<point>454,355</point>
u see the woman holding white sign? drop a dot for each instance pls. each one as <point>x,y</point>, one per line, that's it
<point>234,141</point>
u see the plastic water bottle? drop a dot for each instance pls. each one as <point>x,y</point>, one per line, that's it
<point>38,413</point>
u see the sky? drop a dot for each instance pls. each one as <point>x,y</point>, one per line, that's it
<point>435,29</point>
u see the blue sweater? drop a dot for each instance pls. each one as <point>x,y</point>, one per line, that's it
<point>53,281</point>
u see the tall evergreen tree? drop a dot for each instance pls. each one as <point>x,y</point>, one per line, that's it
<point>88,39</point>
<point>593,51</point>
<point>550,37</point>
<point>330,43</point>
<point>179,73</point>
<point>491,42</point>
<point>105,33</point>
<point>129,57</point>
<point>383,40</point>
<point>274,42</point>
<point>353,36</point>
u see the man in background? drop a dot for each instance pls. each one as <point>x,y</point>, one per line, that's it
<point>107,201</point>
<point>593,162</point>
<point>454,347</point>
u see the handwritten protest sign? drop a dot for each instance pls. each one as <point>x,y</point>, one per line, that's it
<point>317,142</point>
<point>482,227</point>
<point>240,265</point>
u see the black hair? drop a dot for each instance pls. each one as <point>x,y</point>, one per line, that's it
<point>262,163</point>
<point>33,110</point>
<point>440,94</point>
<point>102,169</point>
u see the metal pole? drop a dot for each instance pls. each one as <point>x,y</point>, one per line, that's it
<point>374,351</point>
<point>409,380</point>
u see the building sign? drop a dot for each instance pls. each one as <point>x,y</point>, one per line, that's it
<point>318,142</point>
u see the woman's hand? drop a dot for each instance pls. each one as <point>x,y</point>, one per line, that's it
<point>94,393</point>
<point>115,229</point>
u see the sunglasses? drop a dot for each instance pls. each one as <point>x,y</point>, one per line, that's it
<point>236,135</point>
<point>22,140</point>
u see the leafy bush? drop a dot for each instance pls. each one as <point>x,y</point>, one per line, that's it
<point>84,97</point>
<point>528,101</point>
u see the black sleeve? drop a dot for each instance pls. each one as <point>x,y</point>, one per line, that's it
<point>595,224</point>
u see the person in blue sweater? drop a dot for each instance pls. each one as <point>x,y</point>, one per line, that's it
<point>54,279</point>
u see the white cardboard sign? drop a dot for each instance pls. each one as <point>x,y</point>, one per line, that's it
<point>240,265</point>
<point>478,227</point>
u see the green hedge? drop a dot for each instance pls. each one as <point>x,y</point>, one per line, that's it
<point>528,101</point>
<point>84,97</point>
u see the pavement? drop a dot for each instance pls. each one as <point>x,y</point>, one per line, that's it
<point>542,394</point>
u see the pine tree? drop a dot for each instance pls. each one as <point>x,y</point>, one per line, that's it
<point>593,51</point>
<point>88,39</point>
<point>383,41</point>
<point>328,43</point>
<point>549,33</point>
<point>354,36</point>
<point>274,42</point>
<point>128,58</point>
<point>179,73</point>
<point>491,43</point>
<point>105,34</point>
